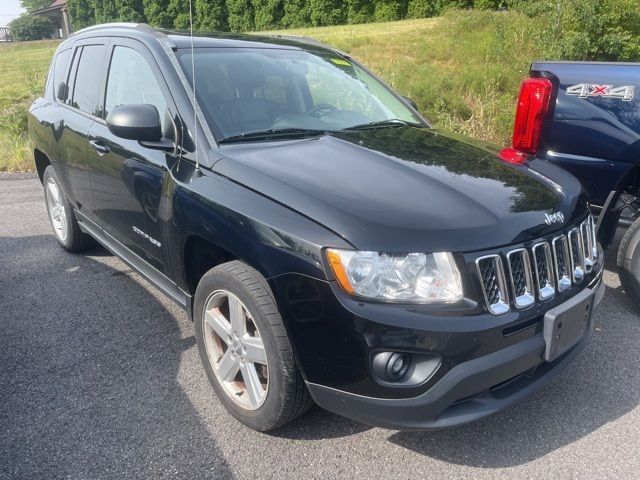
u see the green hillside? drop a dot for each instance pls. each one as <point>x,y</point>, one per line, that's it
<point>462,69</point>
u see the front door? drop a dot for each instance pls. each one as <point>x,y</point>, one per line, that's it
<point>128,179</point>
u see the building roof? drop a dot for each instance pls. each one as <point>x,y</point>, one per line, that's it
<point>56,5</point>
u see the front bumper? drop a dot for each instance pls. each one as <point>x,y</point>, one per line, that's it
<point>468,392</point>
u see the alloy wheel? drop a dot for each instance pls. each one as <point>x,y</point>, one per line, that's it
<point>57,213</point>
<point>235,350</point>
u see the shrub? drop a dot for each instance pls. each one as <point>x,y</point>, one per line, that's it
<point>389,10</point>
<point>82,13</point>
<point>211,15</point>
<point>297,13</point>
<point>328,12</point>
<point>156,13</point>
<point>241,17</point>
<point>30,27</point>
<point>422,8</point>
<point>268,13</point>
<point>360,11</point>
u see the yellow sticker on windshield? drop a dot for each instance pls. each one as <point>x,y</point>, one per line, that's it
<point>339,61</point>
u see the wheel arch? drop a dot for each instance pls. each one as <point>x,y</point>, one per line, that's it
<point>609,215</point>
<point>41,161</point>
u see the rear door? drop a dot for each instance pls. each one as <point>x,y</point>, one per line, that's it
<point>128,179</point>
<point>79,111</point>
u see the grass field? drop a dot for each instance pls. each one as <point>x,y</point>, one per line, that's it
<point>23,68</point>
<point>462,69</point>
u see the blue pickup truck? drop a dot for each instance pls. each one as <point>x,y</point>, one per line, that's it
<point>585,117</point>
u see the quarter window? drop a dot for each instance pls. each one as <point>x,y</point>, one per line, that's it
<point>131,81</point>
<point>88,79</point>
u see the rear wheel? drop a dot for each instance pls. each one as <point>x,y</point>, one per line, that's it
<point>245,349</point>
<point>61,215</point>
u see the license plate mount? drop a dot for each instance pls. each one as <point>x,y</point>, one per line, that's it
<point>566,324</point>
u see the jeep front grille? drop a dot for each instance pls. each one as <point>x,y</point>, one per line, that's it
<point>494,283</point>
<point>540,272</point>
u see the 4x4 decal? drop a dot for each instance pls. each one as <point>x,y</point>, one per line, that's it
<point>584,90</point>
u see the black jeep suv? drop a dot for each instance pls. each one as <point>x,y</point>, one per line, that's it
<point>328,243</point>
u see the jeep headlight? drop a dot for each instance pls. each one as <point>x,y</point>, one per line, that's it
<point>413,277</point>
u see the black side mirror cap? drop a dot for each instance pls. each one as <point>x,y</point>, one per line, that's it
<point>411,102</point>
<point>61,91</point>
<point>139,122</point>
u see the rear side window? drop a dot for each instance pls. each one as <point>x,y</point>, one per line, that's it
<point>86,90</point>
<point>131,81</point>
<point>60,69</point>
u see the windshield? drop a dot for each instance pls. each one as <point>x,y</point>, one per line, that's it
<point>251,90</point>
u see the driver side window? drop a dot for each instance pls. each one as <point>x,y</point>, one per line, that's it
<point>131,81</point>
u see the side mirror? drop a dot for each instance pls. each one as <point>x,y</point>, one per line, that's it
<point>411,103</point>
<point>139,122</point>
<point>61,91</point>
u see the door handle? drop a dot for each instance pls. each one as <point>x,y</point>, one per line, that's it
<point>99,147</point>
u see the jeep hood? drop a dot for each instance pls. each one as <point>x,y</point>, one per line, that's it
<point>404,189</point>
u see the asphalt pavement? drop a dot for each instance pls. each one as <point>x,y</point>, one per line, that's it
<point>100,378</point>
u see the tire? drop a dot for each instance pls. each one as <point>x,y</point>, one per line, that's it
<point>61,215</point>
<point>629,262</point>
<point>282,395</point>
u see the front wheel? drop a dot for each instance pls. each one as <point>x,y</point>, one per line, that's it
<point>245,349</point>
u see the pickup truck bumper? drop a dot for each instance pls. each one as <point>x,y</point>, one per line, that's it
<point>468,392</point>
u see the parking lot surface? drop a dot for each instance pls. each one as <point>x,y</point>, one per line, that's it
<point>100,378</point>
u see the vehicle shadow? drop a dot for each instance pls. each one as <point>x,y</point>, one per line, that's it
<point>89,372</point>
<point>598,388</point>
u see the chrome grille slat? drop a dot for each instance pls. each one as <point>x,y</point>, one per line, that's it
<point>494,284</point>
<point>561,263</point>
<point>544,272</point>
<point>576,255</point>
<point>540,272</point>
<point>587,245</point>
<point>521,278</point>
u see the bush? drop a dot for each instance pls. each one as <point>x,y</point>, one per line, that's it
<point>241,17</point>
<point>328,12</point>
<point>297,13</point>
<point>156,13</point>
<point>422,8</point>
<point>360,11</point>
<point>606,30</point>
<point>389,10</point>
<point>30,27</point>
<point>268,14</point>
<point>211,15</point>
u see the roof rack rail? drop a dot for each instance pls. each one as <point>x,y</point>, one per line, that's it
<point>135,26</point>
<point>310,41</point>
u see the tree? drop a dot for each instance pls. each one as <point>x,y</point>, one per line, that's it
<point>157,13</point>
<point>81,12</point>
<point>268,13</point>
<point>389,10</point>
<point>30,27</point>
<point>422,8</point>
<point>31,5</point>
<point>178,10</point>
<point>130,11</point>
<point>211,15</point>
<point>359,11</point>
<point>297,13</point>
<point>328,12</point>
<point>241,17</point>
<point>105,11</point>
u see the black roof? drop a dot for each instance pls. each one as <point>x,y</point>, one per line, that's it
<point>182,39</point>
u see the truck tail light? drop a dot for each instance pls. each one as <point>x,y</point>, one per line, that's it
<point>533,104</point>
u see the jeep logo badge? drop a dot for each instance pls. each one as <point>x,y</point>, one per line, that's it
<point>550,218</point>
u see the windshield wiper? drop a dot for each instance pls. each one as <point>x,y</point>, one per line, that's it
<point>392,122</point>
<point>271,133</point>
